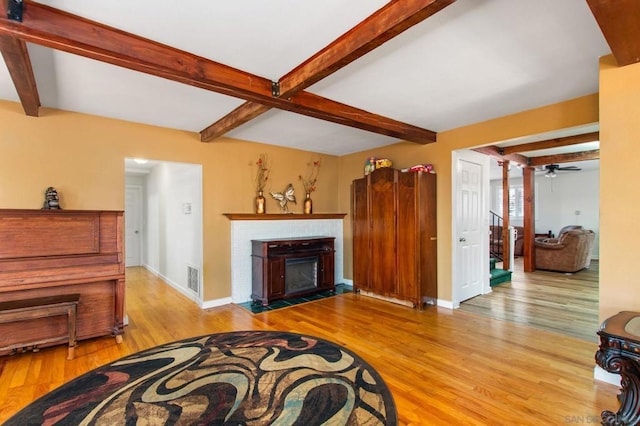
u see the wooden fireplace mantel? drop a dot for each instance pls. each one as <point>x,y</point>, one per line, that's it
<point>283,216</point>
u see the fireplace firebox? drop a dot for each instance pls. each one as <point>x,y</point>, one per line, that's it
<point>291,267</point>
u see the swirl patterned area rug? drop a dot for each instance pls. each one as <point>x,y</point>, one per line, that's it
<point>238,378</point>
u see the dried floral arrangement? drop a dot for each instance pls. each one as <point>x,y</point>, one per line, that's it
<point>262,172</point>
<point>310,179</point>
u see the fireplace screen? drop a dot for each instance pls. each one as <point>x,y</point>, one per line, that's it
<point>301,274</point>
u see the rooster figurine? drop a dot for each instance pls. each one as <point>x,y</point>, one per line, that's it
<point>284,197</point>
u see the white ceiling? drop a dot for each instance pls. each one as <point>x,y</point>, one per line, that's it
<point>472,61</point>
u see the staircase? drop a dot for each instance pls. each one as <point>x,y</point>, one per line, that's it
<point>498,276</point>
<point>495,241</point>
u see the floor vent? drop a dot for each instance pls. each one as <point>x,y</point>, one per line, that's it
<point>193,279</point>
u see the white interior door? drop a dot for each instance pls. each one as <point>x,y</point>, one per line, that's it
<point>470,227</point>
<point>133,222</point>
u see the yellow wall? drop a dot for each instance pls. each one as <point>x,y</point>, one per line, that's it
<point>576,112</point>
<point>619,205</point>
<point>82,156</point>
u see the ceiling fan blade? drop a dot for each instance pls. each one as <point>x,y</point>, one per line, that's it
<point>569,168</point>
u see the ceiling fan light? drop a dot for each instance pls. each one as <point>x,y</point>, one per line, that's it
<point>550,174</point>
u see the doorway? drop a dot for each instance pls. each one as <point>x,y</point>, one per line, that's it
<point>567,304</point>
<point>169,224</point>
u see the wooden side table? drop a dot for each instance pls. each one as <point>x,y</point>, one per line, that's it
<point>619,353</point>
<point>544,236</point>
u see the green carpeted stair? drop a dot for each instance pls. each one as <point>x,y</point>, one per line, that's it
<point>498,276</point>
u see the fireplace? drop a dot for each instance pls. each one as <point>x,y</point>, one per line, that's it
<point>291,267</point>
<point>300,274</point>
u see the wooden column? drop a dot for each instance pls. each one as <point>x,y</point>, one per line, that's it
<point>528,180</point>
<point>506,235</point>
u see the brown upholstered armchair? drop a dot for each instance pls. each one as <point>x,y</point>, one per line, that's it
<point>562,231</point>
<point>570,252</point>
<point>568,228</point>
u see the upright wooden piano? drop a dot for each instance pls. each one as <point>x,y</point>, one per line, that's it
<point>58,252</point>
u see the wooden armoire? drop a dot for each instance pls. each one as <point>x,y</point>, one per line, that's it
<point>394,235</point>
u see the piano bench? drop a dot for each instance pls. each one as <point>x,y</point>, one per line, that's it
<point>42,307</point>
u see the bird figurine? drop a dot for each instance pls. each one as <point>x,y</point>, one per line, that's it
<point>284,197</point>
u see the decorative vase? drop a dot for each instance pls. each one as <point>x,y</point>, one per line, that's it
<point>308,204</point>
<point>260,204</point>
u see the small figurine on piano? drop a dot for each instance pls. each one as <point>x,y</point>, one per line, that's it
<point>51,199</point>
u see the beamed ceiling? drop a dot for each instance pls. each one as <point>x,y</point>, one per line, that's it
<point>333,77</point>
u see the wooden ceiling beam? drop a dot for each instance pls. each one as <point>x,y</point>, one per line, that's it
<point>60,30</point>
<point>336,112</point>
<point>494,151</point>
<point>619,21</point>
<point>386,23</point>
<point>328,110</point>
<point>16,57</point>
<point>239,116</point>
<point>551,143</point>
<point>565,158</point>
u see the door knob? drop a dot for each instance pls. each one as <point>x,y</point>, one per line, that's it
<point>462,239</point>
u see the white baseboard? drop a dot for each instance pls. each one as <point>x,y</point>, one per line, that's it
<point>208,304</point>
<point>448,304</point>
<point>184,291</point>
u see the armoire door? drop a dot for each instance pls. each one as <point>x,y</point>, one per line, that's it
<point>361,229</point>
<point>428,253</point>
<point>383,241</point>
<point>408,231</point>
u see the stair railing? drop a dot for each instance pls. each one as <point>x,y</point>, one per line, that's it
<point>495,239</point>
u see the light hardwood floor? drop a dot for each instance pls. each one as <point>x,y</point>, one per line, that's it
<point>552,301</point>
<point>443,367</point>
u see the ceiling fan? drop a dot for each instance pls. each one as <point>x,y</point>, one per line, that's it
<point>551,170</point>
